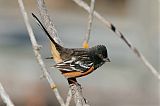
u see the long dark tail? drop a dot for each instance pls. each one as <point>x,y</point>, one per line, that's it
<point>58,47</point>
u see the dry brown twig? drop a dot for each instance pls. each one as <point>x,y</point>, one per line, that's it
<point>5,96</point>
<point>109,25</point>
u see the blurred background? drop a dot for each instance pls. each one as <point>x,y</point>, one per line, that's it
<point>125,81</point>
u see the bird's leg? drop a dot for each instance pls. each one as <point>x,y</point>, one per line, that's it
<point>73,81</point>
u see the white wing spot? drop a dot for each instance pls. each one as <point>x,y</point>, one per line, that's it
<point>83,65</point>
<point>64,69</point>
<point>90,64</point>
<point>70,61</point>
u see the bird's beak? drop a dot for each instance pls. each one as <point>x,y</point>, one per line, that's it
<point>107,60</point>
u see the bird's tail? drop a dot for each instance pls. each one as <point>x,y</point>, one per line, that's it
<point>58,47</point>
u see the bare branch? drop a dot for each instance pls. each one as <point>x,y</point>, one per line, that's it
<point>78,96</point>
<point>90,20</point>
<point>85,6</point>
<point>36,49</point>
<point>5,96</point>
<point>69,97</point>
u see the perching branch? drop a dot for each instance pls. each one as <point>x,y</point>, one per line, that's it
<point>5,96</point>
<point>108,24</point>
<point>78,96</point>
<point>90,20</point>
<point>36,49</point>
<point>69,97</point>
<point>76,90</point>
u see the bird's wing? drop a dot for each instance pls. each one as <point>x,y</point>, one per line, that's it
<point>78,64</point>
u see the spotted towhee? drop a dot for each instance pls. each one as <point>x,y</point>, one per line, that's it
<point>78,62</point>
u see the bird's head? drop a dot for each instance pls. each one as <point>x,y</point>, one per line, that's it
<point>101,52</point>
<point>99,55</point>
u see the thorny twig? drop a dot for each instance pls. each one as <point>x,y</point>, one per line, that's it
<point>76,89</point>
<point>36,49</point>
<point>90,20</point>
<point>85,6</point>
<point>5,96</point>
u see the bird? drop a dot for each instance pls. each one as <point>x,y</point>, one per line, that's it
<point>77,62</point>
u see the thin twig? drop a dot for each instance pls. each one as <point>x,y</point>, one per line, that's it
<point>36,49</point>
<point>90,20</point>
<point>5,96</point>
<point>85,6</point>
<point>69,97</point>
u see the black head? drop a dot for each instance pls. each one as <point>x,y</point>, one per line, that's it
<point>99,55</point>
<point>101,52</point>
